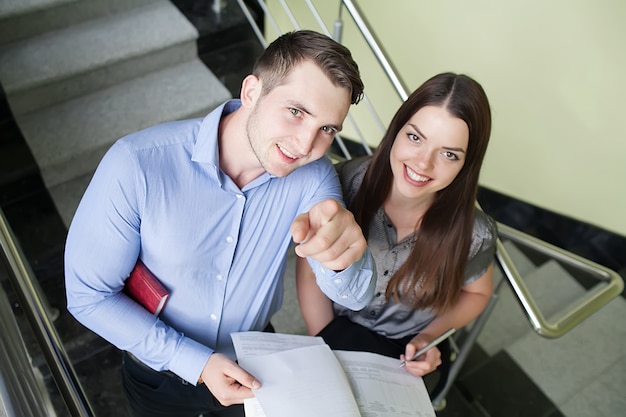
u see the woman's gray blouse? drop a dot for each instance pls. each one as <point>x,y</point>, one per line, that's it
<point>388,318</point>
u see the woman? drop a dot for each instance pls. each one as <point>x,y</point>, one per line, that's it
<point>415,201</point>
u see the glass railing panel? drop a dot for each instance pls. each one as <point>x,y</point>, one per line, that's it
<point>37,376</point>
<point>26,388</point>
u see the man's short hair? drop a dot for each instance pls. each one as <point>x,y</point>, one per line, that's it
<point>291,48</point>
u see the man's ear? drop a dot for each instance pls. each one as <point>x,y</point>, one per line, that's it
<point>250,90</point>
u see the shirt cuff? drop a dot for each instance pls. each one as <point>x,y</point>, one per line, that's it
<point>353,287</point>
<point>189,360</point>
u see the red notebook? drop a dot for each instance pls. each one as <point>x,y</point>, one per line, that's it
<point>146,289</point>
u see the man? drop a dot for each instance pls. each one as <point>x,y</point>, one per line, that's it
<point>209,205</point>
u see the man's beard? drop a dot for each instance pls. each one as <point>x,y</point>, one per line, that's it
<point>251,128</point>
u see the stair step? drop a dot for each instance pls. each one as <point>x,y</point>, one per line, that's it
<point>70,62</point>
<point>20,19</point>
<point>590,354</point>
<point>68,140</point>
<point>553,290</point>
<point>67,195</point>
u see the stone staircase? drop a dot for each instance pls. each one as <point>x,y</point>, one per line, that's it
<point>80,74</point>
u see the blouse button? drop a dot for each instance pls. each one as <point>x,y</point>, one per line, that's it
<point>229,239</point>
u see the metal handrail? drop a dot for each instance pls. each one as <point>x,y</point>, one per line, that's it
<point>376,48</point>
<point>587,305</point>
<point>592,302</point>
<point>49,341</point>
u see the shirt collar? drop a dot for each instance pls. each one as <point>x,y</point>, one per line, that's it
<point>206,149</point>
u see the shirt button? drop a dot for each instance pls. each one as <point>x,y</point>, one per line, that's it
<point>213,317</point>
<point>344,296</point>
<point>229,239</point>
<point>338,280</point>
<point>372,313</point>
<point>219,277</point>
<point>239,196</point>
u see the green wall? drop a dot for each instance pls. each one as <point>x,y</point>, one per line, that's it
<point>555,75</point>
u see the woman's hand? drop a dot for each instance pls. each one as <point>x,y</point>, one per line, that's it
<point>424,364</point>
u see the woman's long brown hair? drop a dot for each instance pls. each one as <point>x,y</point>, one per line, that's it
<point>433,274</point>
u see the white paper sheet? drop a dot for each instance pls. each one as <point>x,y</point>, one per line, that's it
<point>307,381</point>
<point>261,343</point>
<point>302,377</point>
<point>383,389</point>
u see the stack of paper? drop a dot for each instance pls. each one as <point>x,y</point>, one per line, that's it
<point>301,376</point>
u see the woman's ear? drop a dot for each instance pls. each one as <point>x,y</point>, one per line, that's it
<point>250,90</point>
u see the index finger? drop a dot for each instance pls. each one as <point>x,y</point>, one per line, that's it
<point>324,211</point>
<point>300,227</point>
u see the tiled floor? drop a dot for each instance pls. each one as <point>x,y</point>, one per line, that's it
<point>489,385</point>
